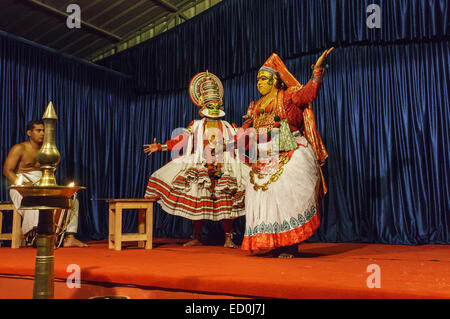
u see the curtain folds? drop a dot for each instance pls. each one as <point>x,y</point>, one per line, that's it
<point>237,36</point>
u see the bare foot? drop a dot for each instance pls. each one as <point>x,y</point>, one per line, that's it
<point>229,243</point>
<point>288,252</point>
<point>71,241</point>
<point>285,256</point>
<point>193,242</point>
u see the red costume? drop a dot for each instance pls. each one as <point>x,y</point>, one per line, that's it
<point>284,194</point>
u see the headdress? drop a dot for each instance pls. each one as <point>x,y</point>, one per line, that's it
<point>274,64</point>
<point>206,88</point>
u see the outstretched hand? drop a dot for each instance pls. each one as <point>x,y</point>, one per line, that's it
<point>151,148</point>
<point>321,61</point>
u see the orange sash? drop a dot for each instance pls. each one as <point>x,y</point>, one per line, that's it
<point>312,135</point>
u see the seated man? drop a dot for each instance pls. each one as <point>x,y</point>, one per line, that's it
<point>22,162</point>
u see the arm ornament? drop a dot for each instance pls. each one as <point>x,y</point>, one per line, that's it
<point>317,75</point>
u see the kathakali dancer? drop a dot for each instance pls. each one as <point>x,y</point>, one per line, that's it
<point>208,180</point>
<point>286,185</point>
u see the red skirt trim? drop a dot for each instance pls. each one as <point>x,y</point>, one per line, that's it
<point>191,204</point>
<point>293,236</point>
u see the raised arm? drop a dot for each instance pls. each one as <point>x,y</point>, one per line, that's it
<point>308,93</point>
<point>320,66</point>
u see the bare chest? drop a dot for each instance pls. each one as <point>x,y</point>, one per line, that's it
<point>29,161</point>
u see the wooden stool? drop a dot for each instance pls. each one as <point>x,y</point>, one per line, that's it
<point>16,235</point>
<point>145,235</point>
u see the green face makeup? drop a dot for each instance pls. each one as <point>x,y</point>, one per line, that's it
<point>213,109</point>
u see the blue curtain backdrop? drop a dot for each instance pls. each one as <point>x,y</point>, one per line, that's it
<point>383,111</point>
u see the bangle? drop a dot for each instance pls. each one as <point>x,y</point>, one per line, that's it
<point>319,70</point>
<point>164,147</point>
<point>317,77</point>
<point>325,67</point>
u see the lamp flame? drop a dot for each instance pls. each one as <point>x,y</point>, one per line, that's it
<point>19,181</point>
<point>71,184</point>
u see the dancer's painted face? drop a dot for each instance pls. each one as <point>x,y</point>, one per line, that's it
<point>213,109</point>
<point>265,82</point>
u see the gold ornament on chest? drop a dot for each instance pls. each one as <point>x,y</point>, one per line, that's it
<point>265,120</point>
<point>264,117</point>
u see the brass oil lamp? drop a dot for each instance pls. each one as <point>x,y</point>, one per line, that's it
<point>46,197</point>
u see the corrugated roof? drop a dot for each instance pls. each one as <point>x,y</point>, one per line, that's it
<point>107,26</point>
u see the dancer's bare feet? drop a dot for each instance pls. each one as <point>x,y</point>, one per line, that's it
<point>229,243</point>
<point>71,241</point>
<point>288,252</point>
<point>285,256</point>
<point>193,242</point>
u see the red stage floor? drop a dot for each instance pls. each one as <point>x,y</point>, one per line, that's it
<point>325,270</point>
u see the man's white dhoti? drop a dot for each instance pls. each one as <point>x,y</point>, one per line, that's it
<point>31,217</point>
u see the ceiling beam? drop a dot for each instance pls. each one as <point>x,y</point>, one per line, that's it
<point>161,18</point>
<point>157,22</point>
<point>170,7</point>
<point>131,21</point>
<point>135,18</point>
<point>82,37</point>
<point>167,5</point>
<point>106,23</point>
<point>53,10</point>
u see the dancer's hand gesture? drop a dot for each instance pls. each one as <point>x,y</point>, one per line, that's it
<point>151,148</point>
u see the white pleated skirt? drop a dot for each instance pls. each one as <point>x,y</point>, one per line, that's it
<point>286,213</point>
